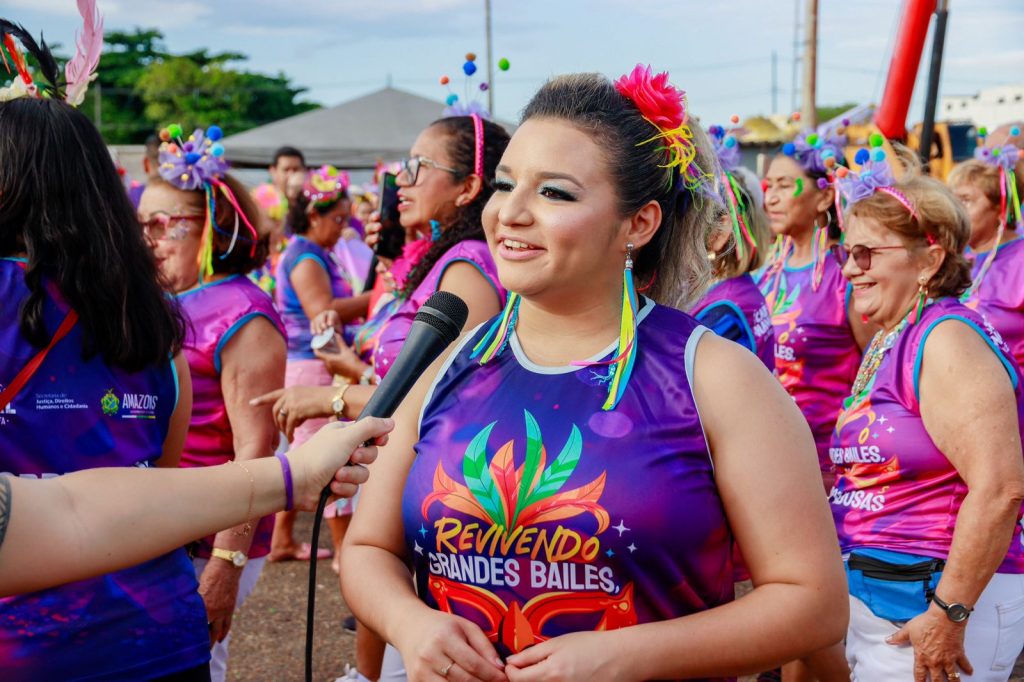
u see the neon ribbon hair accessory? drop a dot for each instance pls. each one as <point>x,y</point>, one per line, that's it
<point>197,164</point>
<point>78,72</point>
<point>727,150</point>
<point>664,107</point>
<point>325,186</point>
<point>1004,158</point>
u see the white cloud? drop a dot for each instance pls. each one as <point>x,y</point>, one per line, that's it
<point>126,12</point>
<point>990,60</point>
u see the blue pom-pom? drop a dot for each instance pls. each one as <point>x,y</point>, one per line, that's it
<point>878,154</point>
<point>789,149</point>
<point>1015,131</point>
<point>217,149</point>
<point>730,142</point>
<point>451,99</point>
<point>214,133</point>
<point>827,154</point>
<point>192,157</point>
<point>469,68</point>
<point>862,157</point>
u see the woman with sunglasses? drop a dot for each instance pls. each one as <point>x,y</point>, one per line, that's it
<point>201,225</point>
<point>928,448</point>
<point>443,187</point>
<point>818,335</point>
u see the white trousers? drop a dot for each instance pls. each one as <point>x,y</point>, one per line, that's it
<point>993,640</point>
<point>250,574</point>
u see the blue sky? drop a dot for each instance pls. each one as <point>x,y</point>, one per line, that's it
<point>719,52</point>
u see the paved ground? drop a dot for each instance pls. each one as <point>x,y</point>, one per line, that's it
<point>269,633</point>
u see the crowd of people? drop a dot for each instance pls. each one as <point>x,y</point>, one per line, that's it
<point>808,383</point>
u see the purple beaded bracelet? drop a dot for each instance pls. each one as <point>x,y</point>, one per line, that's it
<point>286,469</point>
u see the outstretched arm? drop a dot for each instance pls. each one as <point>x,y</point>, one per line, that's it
<point>100,520</point>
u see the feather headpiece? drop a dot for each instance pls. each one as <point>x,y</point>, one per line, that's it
<point>78,72</point>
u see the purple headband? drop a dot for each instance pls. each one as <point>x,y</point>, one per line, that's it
<point>812,147</point>
<point>875,175</point>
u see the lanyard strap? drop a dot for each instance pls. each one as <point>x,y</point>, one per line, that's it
<point>8,394</point>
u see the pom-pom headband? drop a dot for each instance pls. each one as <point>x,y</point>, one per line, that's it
<point>325,186</point>
<point>472,108</point>
<point>875,175</point>
<point>1005,158</point>
<point>664,107</point>
<point>812,148</point>
<point>195,164</point>
<point>78,72</point>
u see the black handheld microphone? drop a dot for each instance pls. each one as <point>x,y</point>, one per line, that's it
<point>437,324</point>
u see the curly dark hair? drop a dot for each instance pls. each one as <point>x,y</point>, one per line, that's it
<point>466,223</point>
<point>297,221</point>
<point>63,204</point>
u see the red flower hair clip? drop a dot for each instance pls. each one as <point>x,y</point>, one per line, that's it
<point>663,105</point>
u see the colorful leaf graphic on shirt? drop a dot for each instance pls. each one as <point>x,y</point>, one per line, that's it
<point>499,493</point>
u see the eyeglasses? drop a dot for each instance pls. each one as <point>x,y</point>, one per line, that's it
<point>861,254</point>
<point>163,226</point>
<point>412,166</point>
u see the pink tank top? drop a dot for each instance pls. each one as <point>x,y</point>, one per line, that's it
<point>393,335</point>
<point>895,490</point>
<point>816,354</point>
<point>215,313</point>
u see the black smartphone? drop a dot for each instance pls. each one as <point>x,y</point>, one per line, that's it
<point>392,234</point>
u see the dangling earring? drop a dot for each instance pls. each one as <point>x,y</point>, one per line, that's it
<point>625,358</point>
<point>435,230</point>
<point>922,299</point>
<point>712,256</point>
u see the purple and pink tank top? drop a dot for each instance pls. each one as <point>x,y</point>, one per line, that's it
<point>535,513</point>
<point>1000,295</point>
<point>74,414</point>
<point>816,354</point>
<point>296,323</point>
<point>735,309</point>
<point>216,312</point>
<point>394,332</point>
<point>895,490</point>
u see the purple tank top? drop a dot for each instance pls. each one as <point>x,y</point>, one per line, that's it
<point>530,542</point>
<point>393,334</point>
<point>296,323</point>
<point>816,354</point>
<point>735,308</point>
<point>1000,295</point>
<point>215,313</point>
<point>142,622</point>
<point>895,489</point>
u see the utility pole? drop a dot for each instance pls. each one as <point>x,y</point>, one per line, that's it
<point>490,61</point>
<point>796,54</point>
<point>809,113</point>
<point>775,82</point>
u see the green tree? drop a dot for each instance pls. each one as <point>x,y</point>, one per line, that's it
<point>828,112</point>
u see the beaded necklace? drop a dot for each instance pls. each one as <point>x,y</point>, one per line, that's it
<point>880,344</point>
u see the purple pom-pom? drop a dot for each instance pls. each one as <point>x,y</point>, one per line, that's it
<point>846,122</point>
<point>189,147</point>
<point>192,158</point>
<point>483,87</point>
<point>822,183</point>
<point>862,157</point>
<point>789,149</point>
